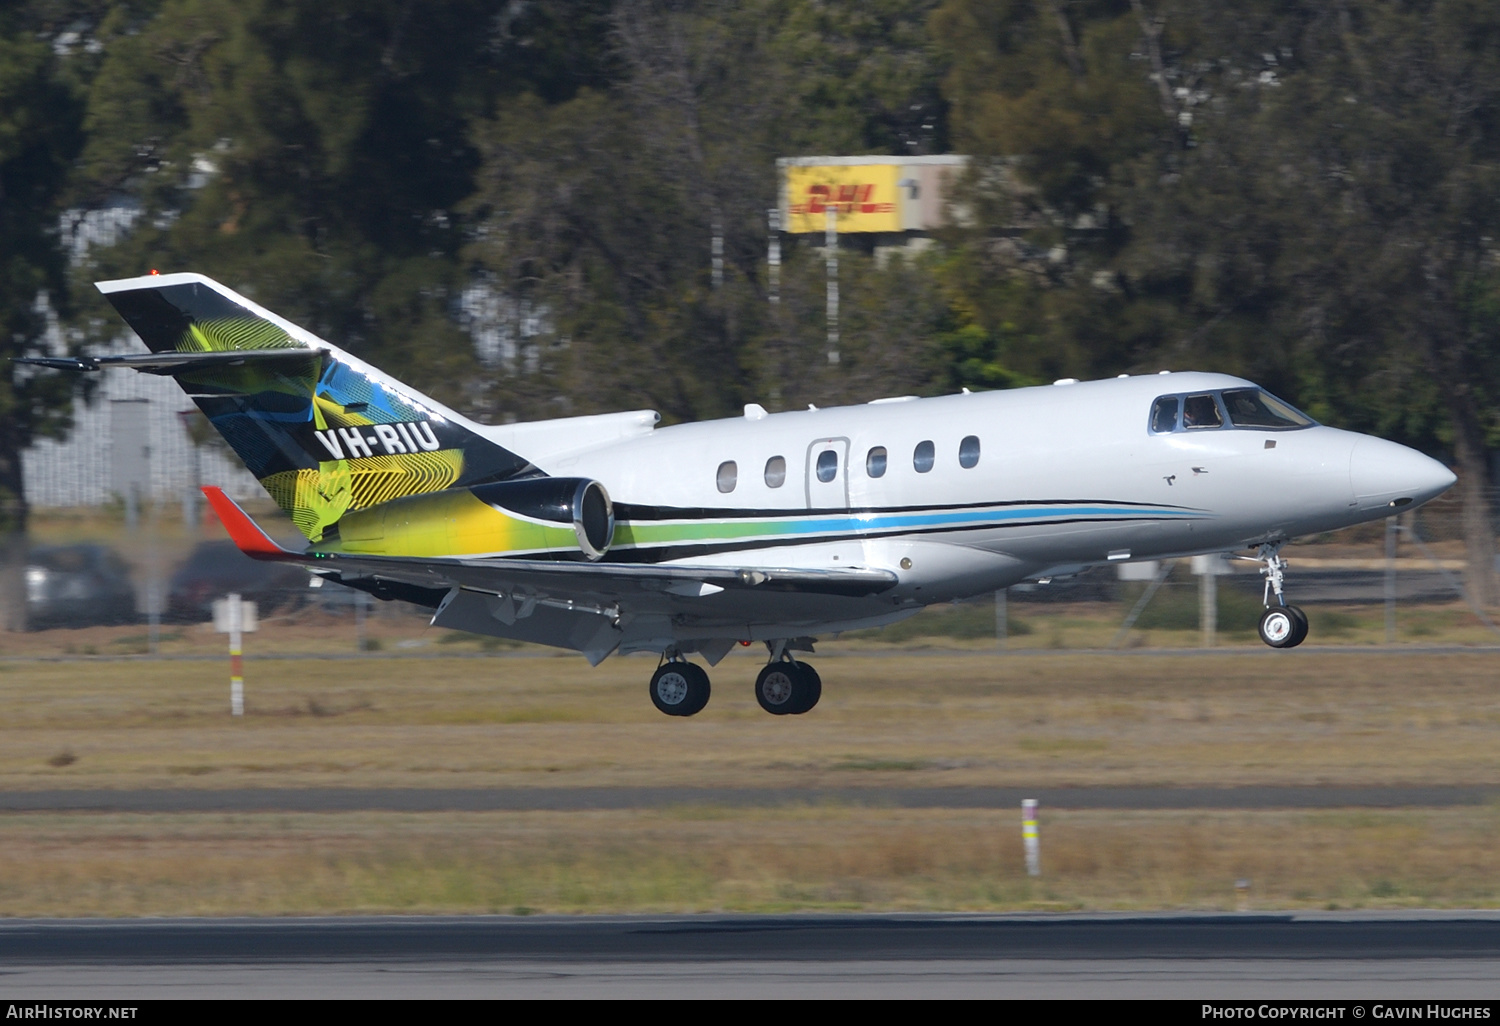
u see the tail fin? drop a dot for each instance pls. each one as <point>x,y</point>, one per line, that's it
<point>324,435</point>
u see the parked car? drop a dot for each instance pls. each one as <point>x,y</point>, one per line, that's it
<point>217,568</point>
<point>77,586</point>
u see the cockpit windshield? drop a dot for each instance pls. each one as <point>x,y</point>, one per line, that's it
<point>1252,408</point>
<point>1200,411</point>
<point>1245,407</point>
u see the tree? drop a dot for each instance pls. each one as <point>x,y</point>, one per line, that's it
<point>1056,108</point>
<point>602,210</point>
<point>1302,193</point>
<point>309,154</point>
<point>1332,224</point>
<point>39,122</point>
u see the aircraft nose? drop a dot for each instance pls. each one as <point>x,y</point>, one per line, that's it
<point>1384,473</point>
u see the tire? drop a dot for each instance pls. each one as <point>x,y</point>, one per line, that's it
<point>698,689</point>
<point>779,688</point>
<point>1279,627</point>
<point>812,689</point>
<point>679,689</point>
<point>1301,618</point>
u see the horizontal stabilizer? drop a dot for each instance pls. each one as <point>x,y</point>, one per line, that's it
<point>170,363</point>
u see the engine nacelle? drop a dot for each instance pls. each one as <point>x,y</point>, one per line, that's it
<point>545,517</point>
<point>578,502</point>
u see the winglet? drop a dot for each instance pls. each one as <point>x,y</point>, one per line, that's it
<point>243,531</point>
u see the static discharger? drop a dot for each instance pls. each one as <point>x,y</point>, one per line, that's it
<point>1029,837</point>
<point>234,616</point>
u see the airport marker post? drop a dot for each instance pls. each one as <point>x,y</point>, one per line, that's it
<point>234,616</point>
<point>1209,569</point>
<point>1029,837</point>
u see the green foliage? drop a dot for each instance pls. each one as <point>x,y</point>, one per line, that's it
<point>1176,607</point>
<point>310,154</point>
<point>973,358</point>
<point>1302,194</point>
<point>602,209</point>
<point>39,134</point>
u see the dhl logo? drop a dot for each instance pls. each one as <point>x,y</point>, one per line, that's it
<point>844,199</point>
<point>389,439</point>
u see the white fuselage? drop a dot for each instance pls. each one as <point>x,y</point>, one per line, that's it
<point>1066,476</point>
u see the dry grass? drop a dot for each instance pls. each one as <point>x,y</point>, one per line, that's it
<point>1086,627</point>
<point>702,859</point>
<point>895,720</point>
<point>908,720</point>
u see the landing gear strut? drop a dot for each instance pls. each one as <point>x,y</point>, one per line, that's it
<point>1281,625</point>
<point>678,688</point>
<point>786,687</point>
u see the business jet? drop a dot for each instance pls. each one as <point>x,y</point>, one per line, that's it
<point>608,534</point>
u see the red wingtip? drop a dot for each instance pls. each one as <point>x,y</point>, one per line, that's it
<point>250,539</point>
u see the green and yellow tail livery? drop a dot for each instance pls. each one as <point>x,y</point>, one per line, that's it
<point>326,434</point>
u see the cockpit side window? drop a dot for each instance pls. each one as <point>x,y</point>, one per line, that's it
<point>1164,414</point>
<point>1252,408</point>
<point>1201,411</point>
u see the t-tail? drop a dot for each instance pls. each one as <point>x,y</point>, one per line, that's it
<point>323,432</point>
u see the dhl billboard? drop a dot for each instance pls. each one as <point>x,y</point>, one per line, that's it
<point>864,197</point>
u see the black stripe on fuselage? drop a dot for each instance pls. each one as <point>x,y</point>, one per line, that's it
<point>667,552</point>
<point>627,511</point>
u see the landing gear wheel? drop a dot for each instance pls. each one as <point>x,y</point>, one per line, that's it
<point>1281,628</point>
<point>1301,619</point>
<point>811,688</point>
<point>780,687</point>
<point>679,689</point>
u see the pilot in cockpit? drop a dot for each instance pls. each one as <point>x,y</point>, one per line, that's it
<point>1200,411</point>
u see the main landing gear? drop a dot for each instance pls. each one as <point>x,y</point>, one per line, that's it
<point>1281,625</point>
<point>678,688</point>
<point>785,687</point>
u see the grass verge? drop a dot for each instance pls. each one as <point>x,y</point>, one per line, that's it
<point>698,859</point>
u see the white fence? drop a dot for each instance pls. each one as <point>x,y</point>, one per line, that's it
<point>76,471</point>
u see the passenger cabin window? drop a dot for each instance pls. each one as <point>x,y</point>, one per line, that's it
<point>1164,414</point>
<point>968,452</point>
<point>922,457</point>
<point>1201,411</point>
<point>875,462</point>
<point>1252,408</point>
<point>775,472</point>
<point>727,476</point>
<point>828,465</point>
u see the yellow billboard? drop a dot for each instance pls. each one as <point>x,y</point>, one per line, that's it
<point>864,197</point>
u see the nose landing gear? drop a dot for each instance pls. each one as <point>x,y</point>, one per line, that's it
<point>1281,625</point>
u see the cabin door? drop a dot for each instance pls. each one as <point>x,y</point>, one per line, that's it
<point>828,474</point>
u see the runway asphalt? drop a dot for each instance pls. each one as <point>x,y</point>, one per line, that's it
<point>1386,955</point>
<point>567,799</point>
